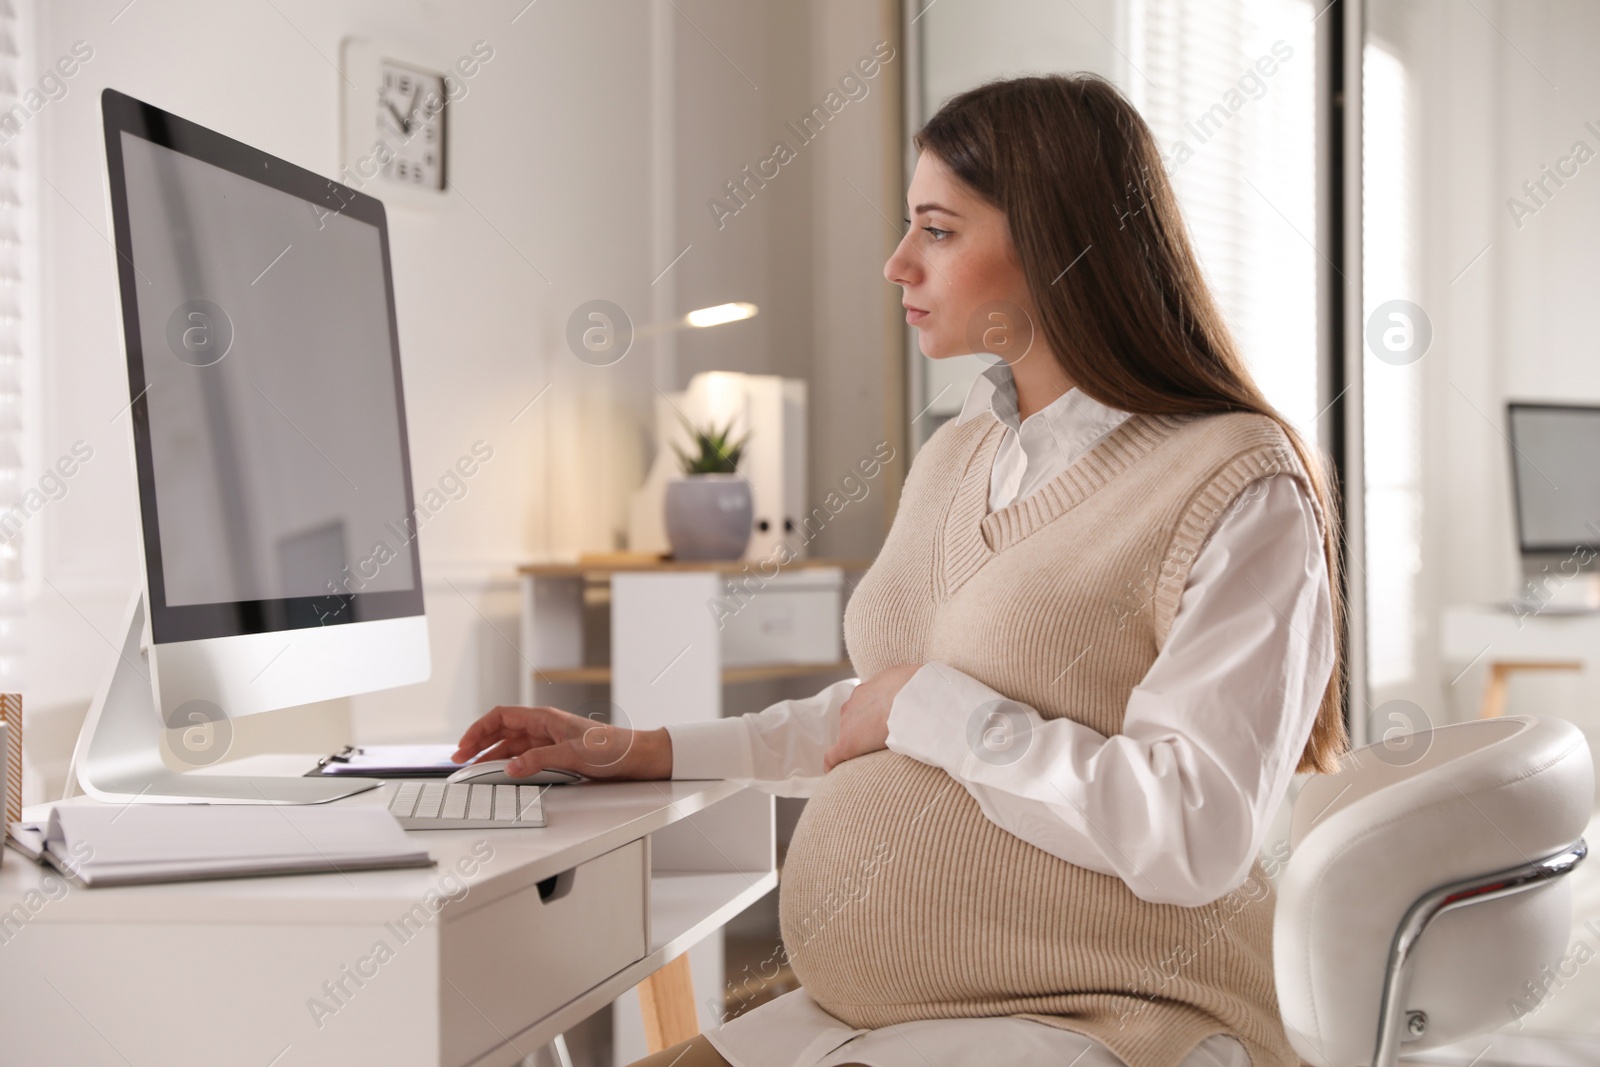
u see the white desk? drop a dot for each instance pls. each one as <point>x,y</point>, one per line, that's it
<point>485,971</point>
<point>1504,642</point>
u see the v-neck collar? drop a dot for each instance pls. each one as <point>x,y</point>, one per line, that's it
<point>973,535</point>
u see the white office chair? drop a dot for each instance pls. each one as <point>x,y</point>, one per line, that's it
<point>1426,887</point>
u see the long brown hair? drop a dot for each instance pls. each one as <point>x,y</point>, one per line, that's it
<point>1132,322</point>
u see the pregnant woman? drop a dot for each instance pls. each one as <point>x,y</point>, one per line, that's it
<point>1101,637</point>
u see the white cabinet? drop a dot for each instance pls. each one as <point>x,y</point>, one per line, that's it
<point>679,632</point>
<point>792,617</point>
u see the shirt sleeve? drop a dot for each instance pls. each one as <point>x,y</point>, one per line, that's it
<point>778,749</point>
<point>1177,805</point>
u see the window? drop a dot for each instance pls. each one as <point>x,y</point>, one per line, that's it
<point>1228,88</point>
<point>1391,425</point>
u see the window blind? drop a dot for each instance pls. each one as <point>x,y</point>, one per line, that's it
<point>1228,89</point>
<point>11,362</point>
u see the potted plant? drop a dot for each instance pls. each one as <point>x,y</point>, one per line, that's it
<point>709,510</point>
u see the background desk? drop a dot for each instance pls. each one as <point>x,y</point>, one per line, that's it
<point>666,658</point>
<point>231,971</point>
<point>1505,642</point>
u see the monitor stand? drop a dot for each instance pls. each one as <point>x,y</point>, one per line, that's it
<point>118,756</point>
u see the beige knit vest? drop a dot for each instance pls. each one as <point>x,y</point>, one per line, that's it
<point>900,900</point>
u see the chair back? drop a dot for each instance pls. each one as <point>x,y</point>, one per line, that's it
<point>1404,817</point>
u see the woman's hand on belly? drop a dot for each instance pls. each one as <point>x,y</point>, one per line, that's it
<point>864,717</point>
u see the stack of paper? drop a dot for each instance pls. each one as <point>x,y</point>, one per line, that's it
<point>97,845</point>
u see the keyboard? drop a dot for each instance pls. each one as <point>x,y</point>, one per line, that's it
<point>467,806</point>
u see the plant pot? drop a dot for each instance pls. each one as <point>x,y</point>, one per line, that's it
<point>709,516</point>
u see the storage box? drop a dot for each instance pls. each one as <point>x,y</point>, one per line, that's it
<point>793,617</point>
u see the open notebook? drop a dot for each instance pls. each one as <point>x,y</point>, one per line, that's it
<point>99,845</point>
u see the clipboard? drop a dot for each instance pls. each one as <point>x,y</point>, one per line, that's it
<point>388,761</point>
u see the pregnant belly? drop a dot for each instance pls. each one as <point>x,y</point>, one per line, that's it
<point>900,900</point>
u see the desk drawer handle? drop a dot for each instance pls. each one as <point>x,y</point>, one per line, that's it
<point>556,886</point>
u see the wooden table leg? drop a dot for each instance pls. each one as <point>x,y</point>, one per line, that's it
<point>666,999</point>
<point>1500,671</point>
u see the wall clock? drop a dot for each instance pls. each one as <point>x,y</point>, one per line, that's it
<point>409,114</point>
<point>394,125</point>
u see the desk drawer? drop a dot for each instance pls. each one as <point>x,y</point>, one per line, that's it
<point>509,964</point>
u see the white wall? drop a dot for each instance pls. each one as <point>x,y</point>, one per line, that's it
<point>563,188</point>
<point>581,159</point>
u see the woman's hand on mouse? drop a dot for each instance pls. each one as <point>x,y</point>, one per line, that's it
<point>864,716</point>
<point>536,739</point>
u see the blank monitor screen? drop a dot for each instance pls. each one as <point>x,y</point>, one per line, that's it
<point>269,419</point>
<point>1555,463</point>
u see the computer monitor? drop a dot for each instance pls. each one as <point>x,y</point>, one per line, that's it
<point>1555,477</point>
<point>268,420</point>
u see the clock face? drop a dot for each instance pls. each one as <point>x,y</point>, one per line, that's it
<point>410,121</point>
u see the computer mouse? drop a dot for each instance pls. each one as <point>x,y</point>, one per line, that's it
<point>493,772</point>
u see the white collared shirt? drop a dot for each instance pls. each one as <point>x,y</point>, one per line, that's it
<point>1037,448</point>
<point>1177,804</point>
